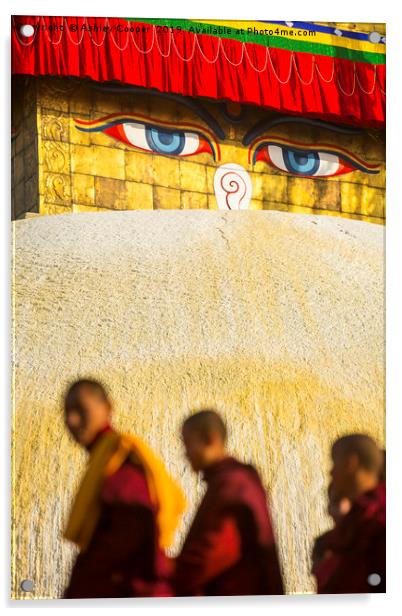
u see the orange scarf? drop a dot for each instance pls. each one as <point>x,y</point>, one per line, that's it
<point>106,457</point>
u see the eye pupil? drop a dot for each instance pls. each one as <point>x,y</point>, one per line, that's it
<point>165,141</point>
<point>299,161</point>
<point>166,138</point>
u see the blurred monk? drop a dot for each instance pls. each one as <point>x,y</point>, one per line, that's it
<point>383,474</point>
<point>230,548</point>
<point>355,548</point>
<point>126,508</point>
<point>338,506</point>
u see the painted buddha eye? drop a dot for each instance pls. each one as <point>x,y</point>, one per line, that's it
<point>304,162</point>
<point>157,139</point>
<point>165,140</point>
<point>169,142</point>
<point>311,162</point>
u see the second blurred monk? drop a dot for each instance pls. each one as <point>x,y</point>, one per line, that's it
<point>230,548</point>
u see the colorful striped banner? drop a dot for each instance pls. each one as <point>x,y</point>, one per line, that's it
<point>319,41</point>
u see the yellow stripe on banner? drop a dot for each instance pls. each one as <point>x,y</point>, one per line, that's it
<point>319,37</point>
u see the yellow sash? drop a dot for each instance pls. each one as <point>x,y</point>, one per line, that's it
<point>106,457</point>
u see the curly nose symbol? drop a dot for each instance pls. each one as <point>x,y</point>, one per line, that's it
<point>232,186</point>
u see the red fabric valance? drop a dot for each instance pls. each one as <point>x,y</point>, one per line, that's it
<point>323,86</point>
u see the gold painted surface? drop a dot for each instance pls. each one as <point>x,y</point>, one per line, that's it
<point>63,150</point>
<point>274,318</point>
<point>24,149</point>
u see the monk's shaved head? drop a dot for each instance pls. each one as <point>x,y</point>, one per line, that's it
<point>204,437</point>
<point>363,447</point>
<point>71,398</point>
<point>87,410</point>
<point>205,423</point>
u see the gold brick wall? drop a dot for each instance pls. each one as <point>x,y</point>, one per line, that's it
<point>24,149</point>
<point>92,171</point>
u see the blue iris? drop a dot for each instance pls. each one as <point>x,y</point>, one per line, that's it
<point>303,162</point>
<point>164,141</point>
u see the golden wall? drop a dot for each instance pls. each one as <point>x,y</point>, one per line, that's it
<point>79,171</point>
<point>24,149</point>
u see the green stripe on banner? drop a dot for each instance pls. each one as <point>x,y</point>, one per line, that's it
<point>278,42</point>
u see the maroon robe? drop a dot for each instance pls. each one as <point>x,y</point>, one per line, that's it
<point>123,558</point>
<point>320,551</point>
<point>355,548</point>
<point>230,548</point>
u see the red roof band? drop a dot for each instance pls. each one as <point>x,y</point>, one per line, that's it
<point>113,49</point>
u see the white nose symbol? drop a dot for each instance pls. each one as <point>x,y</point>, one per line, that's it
<point>232,185</point>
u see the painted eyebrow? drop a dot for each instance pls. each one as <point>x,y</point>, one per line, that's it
<point>188,102</point>
<point>264,125</point>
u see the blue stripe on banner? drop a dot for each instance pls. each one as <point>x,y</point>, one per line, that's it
<point>305,25</point>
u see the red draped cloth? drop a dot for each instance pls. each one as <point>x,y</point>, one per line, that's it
<point>330,88</point>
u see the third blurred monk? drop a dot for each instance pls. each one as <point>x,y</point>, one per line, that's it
<point>355,549</point>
